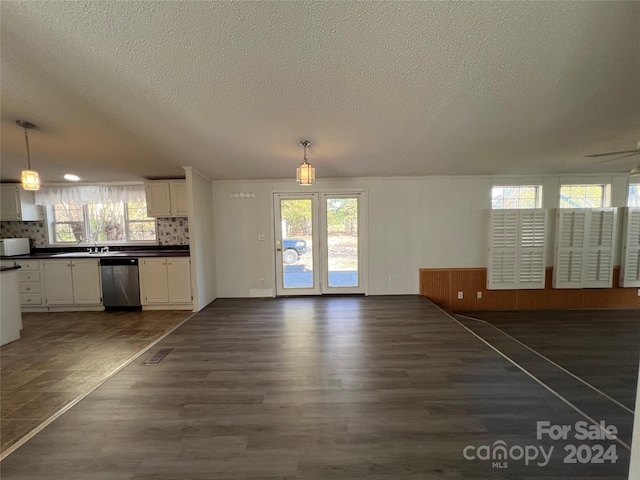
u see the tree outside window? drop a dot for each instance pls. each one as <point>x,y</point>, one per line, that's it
<point>112,222</point>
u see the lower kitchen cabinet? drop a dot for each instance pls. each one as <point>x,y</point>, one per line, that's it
<point>179,279</point>
<point>71,282</point>
<point>154,280</point>
<point>166,281</point>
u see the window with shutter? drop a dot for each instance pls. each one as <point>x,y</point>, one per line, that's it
<point>630,259</point>
<point>569,251</point>
<point>585,239</point>
<point>598,267</point>
<point>517,249</point>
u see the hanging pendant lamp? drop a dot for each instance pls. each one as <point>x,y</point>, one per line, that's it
<point>305,174</point>
<point>30,178</point>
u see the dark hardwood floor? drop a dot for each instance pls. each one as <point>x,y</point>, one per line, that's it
<point>61,356</point>
<point>600,346</point>
<point>311,388</point>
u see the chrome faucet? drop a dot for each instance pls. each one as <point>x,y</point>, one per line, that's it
<point>95,245</point>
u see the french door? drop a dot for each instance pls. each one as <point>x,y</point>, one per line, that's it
<point>318,243</point>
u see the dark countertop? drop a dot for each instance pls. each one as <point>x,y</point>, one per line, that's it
<point>7,269</point>
<point>115,254</point>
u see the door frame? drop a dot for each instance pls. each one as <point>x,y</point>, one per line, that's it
<point>324,246</point>
<point>363,237</point>
<point>280,289</point>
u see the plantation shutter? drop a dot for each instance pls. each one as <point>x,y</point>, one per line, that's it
<point>585,238</point>
<point>630,258</point>
<point>599,238</point>
<point>516,249</point>
<point>569,251</point>
<point>503,244</point>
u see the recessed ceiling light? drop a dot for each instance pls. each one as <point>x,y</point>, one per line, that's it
<point>71,177</point>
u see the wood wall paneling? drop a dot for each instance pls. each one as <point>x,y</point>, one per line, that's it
<point>442,286</point>
<point>435,284</point>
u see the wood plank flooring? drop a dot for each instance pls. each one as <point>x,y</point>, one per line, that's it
<point>310,388</point>
<point>61,356</point>
<point>568,338</point>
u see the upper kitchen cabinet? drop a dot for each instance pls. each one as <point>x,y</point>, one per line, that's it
<point>167,198</point>
<point>17,204</point>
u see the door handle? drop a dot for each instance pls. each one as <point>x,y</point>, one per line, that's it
<point>278,249</point>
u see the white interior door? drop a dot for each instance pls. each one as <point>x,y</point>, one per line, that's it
<point>341,245</point>
<point>297,240</point>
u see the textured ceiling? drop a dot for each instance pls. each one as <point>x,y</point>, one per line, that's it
<point>131,90</point>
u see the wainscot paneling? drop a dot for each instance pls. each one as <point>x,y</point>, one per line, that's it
<point>441,285</point>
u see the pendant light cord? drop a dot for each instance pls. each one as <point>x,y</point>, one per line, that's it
<point>26,140</point>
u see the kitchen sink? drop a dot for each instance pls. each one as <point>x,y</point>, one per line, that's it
<point>86,254</point>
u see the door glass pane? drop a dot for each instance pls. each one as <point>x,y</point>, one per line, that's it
<point>297,242</point>
<point>342,242</point>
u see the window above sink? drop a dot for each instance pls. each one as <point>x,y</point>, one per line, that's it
<point>114,215</point>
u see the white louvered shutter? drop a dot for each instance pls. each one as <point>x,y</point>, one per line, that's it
<point>503,245</point>
<point>531,252</point>
<point>630,258</point>
<point>517,249</point>
<point>569,249</point>
<point>598,248</point>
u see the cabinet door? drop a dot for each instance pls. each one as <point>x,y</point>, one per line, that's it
<point>158,199</point>
<point>178,190</point>
<point>86,282</point>
<point>10,203</point>
<point>153,276</point>
<point>179,278</point>
<point>58,283</point>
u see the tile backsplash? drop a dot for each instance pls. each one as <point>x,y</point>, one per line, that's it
<point>171,231</point>
<point>36,231</point>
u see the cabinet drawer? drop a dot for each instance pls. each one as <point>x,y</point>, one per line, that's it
<point>29,276</point>
<point>29,287</point>
<point>31,265</point>
<point>33,299</point>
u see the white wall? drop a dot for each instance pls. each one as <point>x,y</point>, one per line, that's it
<point>201,229</point>
<point>394,236</point>
<point>453,221</point>
<point>429,222</point>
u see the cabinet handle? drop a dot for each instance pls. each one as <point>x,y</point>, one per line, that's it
<point>28,299</point>
<point>28,289</point>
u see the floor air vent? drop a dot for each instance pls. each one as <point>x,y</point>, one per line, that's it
<point>158,356</point>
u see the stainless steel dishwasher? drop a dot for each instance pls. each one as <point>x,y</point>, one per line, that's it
<point>120,283</point>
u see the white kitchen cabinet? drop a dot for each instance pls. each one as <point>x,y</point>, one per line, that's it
<point>179,279</point>
<point>17,204</point>
<point>69,282</point>
<point>165,281</point>
<point>86,282</point>
<point>29,282</point>
<point>178,193</point>
<point>167,198</point>
<point>58,282</point>
<point>155,285</point>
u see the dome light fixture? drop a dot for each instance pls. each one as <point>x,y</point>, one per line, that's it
<point>71,177</point>
<point>30,178</point>
<point>305,174</point>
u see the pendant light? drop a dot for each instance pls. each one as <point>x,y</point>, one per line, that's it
<point>30,178</point>
<point>306,174</point>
